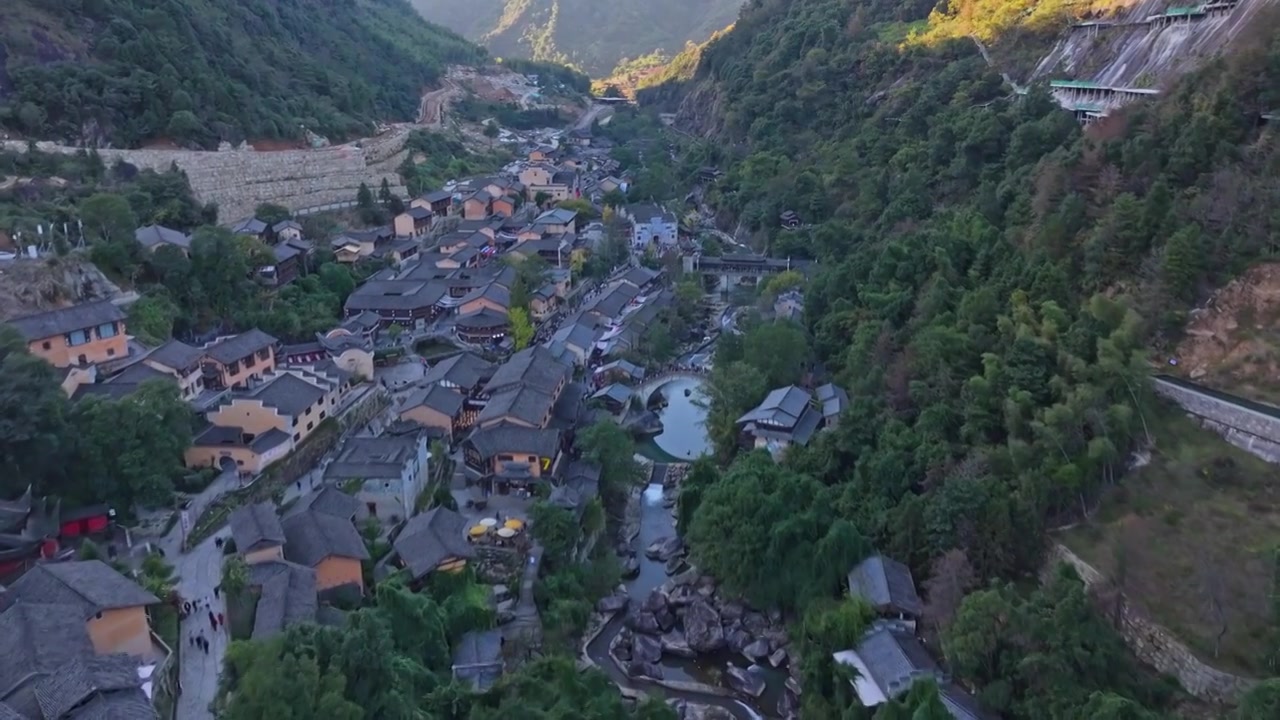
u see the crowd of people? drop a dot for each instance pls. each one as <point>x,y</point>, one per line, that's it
<point>191,614</point>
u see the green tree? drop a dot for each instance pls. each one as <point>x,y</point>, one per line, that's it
<point>107,217</point>
<point>521,327</point>
<point>276,681</point>
<point>607,445</point>
<point>271,214</point>
<point>130,449</point>
<point>394,331</point>
<point>491,131</point>
<point>34,437</point>
<point>1261,702</point>
<point>556,529</point>
<point>779,350</point>
<point>151,318</point>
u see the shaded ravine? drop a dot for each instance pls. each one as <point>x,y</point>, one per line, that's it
<point>656,523</point>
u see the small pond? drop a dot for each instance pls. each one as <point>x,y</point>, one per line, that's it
<point>684,431</point>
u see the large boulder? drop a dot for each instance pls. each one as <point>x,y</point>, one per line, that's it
<point>674,643</point>
<point>679,706</point>
<point>677,565</point>
<point>755,623</point>
<point>643,622</point>
<point>672,547</point>
<point>702,627</point>
<point>731,610</point>
<point>666,619</point>
<point>756,651</point>
<point>744,681</point>
<point>656,602</point>
<point>637,669</point>
<point>706,712</point>
<point>630,568</point>
<point>681,595</point>
<point>737,639</point>
<point>778,658</point>
<point>612,603</point>
<point>646,648</point>
<point>793,686</point>
<point>654,551</point>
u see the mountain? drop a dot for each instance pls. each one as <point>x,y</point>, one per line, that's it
<point>126,72</point>
<point>994,282</point>
<point>594,36</point>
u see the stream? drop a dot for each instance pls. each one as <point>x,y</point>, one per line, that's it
<point>656,522</point>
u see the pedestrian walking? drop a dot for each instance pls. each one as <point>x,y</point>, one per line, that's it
<point>222,621</point>
<point>192,640</point>
<point>205,644</point>
<point>216,589</point>
<point>218,543</point>
<point>213,620</point>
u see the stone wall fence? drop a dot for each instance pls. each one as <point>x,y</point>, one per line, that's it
<point>1154,644</point>
<point>1250,426</point>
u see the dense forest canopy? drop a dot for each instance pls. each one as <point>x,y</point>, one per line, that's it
<point>127,71</point>
<point>991,282</point>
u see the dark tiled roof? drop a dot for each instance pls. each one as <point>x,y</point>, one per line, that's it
<point>430,538</point>
<point>38,637</point>
<point>395,295</point>
<point>894,659</point>
<point>485,317</point>
<point>885,583</point>
<point>92,584</point>
<point>465,370</point>
<point>255,527</point>
<point>139,373</point>
<point>68,319</point>
<point>122,705</point>
<point>493,292</point>
<point>525,403</point>
<point>514,439</point>
<point>154,235</point>
<point>287,225</point>
<point>640,276</point>
<point>107,390</point>
<point>229,350</point>
<point>437,195</point>
<point>287,596</point>
<point>477,658</point>
<point>328,500</point>
<point>177,355</point>
<point>249,226</point>
<point>81,679</point>
<point>419,213</point>
<point>783,406</point>
<point>535,367</point>
<point>833,400</point>
<point>374,458</point>
<point>287,393</point>
<point>582,335</point>
<point>436,397</point>
<point>580,486</point>
<point>313,536</point>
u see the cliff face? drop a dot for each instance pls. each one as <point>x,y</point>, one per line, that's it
<point>1147,44</point>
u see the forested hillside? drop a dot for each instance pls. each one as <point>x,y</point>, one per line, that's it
<point>594,36</point>
<point>992,283</point>
<point>195,72</point>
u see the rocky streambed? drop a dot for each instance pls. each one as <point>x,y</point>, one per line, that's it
<point>674,632</point>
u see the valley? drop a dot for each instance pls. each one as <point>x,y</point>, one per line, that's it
<point>595,37</point>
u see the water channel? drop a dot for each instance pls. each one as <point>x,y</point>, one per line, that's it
<point>683,439</point>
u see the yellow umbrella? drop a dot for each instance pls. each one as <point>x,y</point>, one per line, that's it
<point>478,530</point>
<point>514,523</point>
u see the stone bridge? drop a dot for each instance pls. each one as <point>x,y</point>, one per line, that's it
<point>651,384</point>
<point>736,268</point>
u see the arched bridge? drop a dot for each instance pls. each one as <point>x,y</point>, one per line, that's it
<point>651,385</point>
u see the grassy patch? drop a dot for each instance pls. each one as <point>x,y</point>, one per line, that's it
<point>1193,529</point>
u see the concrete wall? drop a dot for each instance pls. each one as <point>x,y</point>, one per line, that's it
<point>239,180</point>
<point>1250,430</point>
<point>59,353</point>
<point>1155,645</point>
<point>275,553</point>
<point>336,571</point>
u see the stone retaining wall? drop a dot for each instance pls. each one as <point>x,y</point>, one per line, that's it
<point>1248,429</point>
<point>1157,646</point>
<point>239,180</point>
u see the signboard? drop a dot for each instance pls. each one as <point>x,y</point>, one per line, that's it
<point>186,521</point>
<point>546,464</point>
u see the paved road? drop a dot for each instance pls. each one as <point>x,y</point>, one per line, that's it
<point>526,622</point>
<point>199,571</point>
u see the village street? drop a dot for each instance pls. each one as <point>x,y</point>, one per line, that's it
<point>200,570</point>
